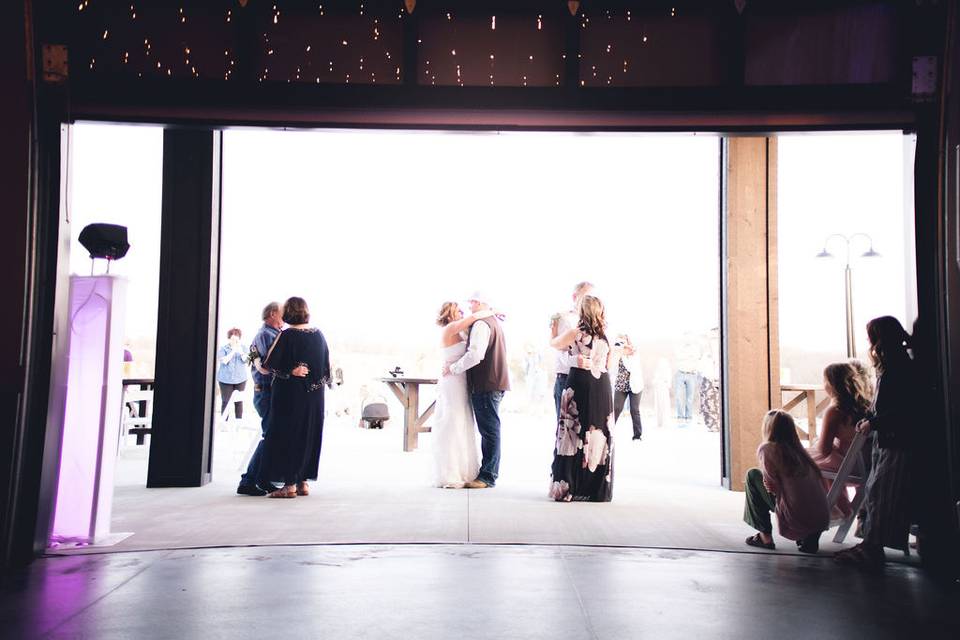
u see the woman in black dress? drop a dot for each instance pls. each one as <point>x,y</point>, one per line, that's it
<point>291,444</point>
<point>894,419</point>
<point>583,455</point>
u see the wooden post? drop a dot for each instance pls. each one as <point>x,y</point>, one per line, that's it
<point>410,417</point>
<point>751,342</point>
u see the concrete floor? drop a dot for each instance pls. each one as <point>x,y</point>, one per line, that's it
<point>667,495</point>
<point>375,552</point>
<point>467,591</point>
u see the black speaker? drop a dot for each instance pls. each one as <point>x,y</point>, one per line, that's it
<point>105,240</point>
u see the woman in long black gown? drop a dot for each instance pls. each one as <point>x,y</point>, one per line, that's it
<point>294,433</point>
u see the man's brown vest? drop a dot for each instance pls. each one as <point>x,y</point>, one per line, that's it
<point>491,373</point>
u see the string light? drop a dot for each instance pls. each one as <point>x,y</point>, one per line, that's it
<point>368,71</point>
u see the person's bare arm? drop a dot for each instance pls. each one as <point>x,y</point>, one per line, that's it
<point>466,322</point>
<point>831,427</point>
<point>565,339</point>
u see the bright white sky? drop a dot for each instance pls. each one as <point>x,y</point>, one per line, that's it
<point>377,228</point>
<point>844,183</point>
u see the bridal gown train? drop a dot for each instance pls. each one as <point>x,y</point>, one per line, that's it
<point>455,456</point>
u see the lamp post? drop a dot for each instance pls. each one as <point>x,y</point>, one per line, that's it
<point>848,279</point>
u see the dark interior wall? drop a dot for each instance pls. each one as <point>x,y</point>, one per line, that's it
<point>16,128</point>
<point>947,342</point>
<point>786,64</point>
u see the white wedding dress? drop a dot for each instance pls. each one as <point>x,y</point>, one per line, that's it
<point>455,457</point>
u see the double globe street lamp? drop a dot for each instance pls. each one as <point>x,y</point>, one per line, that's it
<point>848,242</point>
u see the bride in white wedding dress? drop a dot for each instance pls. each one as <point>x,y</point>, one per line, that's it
<point>455,457</point>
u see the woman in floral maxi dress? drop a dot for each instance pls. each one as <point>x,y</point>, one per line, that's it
<point>583,454</point>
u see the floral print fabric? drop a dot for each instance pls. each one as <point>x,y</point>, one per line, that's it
<point>582,467</point>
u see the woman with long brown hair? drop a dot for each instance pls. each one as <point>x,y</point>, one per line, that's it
<point>887,521</point>
<point>788,484</point>
<point>850,393</point>
<point>583,454</point>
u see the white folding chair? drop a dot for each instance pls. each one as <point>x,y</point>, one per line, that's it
<point>852,471</point>
<point>136,424</point>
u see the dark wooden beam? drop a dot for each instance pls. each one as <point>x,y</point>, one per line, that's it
<point>182,437</point>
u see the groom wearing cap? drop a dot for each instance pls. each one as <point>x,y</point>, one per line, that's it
<point>486,365</point>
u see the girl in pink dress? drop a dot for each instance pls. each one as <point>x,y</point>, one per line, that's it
<point>849,389</point>
<point>788,484</point>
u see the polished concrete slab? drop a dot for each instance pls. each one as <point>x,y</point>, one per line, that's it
<point>667,494</point>
<point>467,591</point>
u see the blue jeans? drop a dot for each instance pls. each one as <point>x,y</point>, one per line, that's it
<point>261,402</point>
<point>485,407</point>
<point>558,388</point>
<point>686,390</point>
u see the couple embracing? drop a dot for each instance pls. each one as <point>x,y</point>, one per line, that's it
<point>471,387</point>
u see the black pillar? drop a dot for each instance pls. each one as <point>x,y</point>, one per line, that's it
<point>182,437</point>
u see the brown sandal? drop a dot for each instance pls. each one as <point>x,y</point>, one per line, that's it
<point>861,556</point>
<point>283,492</point>
<point>756,541</point>
<point>303,489</point>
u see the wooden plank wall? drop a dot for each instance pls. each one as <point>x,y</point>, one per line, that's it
<point>751,324</point>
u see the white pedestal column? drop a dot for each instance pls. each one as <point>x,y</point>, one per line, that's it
<point>91,419</point>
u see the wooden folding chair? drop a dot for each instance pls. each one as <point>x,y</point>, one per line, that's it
<point>853,470</point>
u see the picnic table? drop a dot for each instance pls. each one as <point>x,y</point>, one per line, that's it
<point>407,391</point>
<point>806,393</point>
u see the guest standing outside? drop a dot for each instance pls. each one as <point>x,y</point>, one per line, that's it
<point>892,418</point>
<point>661,391</point>
<point>294,433</point>
<point>582,467</point>
<point>788,484</point>
<point>561,323</point>
<point>710,381</point>
<point>262,381</point>
<point>848,388</point>
<point>628,385</point>
<point>687,380</point>
<point>232,372</point>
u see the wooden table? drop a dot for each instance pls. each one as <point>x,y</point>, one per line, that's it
<point>407,391</point>
<point>808,393</point>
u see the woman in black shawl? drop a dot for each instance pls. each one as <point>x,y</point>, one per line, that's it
<point>894,419</point>
<point>291,444</point>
